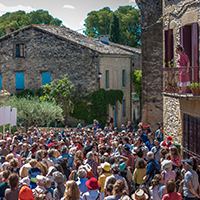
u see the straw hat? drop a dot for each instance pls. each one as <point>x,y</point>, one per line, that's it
<point>139,195</point>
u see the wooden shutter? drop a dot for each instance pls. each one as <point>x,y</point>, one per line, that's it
<point>0,82</point>
<point>46,78</point>
<point>19,81</point>
<point>17,50</point>
<point>169,46</point>
<point>195,46</point>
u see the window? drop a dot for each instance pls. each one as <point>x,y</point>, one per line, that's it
<point>107,79</point>
<point>124,108</point>
<point>169,48</point>
<point>46,78</point>
<point>191,136</point>
<point>0,82</point>
<point>20,50</point>
<point>123,78</point>
<point>19,81</point>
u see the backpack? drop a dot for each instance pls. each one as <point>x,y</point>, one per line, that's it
<point>40,196</point>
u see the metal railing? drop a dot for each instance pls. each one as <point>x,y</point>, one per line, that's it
<point>182,81</point>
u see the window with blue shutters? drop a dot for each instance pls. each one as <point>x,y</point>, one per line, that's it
<point>46,78</point>
<point>106,78</point>
<point>20,51</point>
<point>0,82</point>
<point>19,81</point>
<point>123,78</point>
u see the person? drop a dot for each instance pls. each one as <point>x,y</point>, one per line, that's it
<point>93,193</point>
<point>118,189</point>
<point>82,173</point>
<point>64,154</point>
<point>150,142</point>
<point>12,193</point>
<point>60,189</point>
<point>25,192</point>
<point>159,132</point>
<point>33,172</point>
<point>157,151</point>
<point>184,62</point>
<point>129,127</point>
<point>104,174</point>
<point>158,187</point>
<point>153,168</point>
<point>40,190</point>
<point>127,153</point>
<point>71,191</point>
<point>25,153</point>
<point>64,164</point>
<point>90,160</point>
<point>167,143</point>
<point>172,195</point>
<point>142,135</point>
<point>167,172</point>
<point>191,185</point>
<point>4,185</point>
<point>139,172</point>
<point>175,157</point>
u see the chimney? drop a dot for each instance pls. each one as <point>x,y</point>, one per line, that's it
<point>104,39</point>
<point>9,30</point>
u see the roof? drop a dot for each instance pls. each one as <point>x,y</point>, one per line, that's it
<point>89,42</point>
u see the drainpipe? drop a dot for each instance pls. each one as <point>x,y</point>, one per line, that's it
<point>99,70</point>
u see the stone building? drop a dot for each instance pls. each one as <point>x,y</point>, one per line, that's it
<point>152,61</point>
<point>36,54</point>
<point>181,112</point>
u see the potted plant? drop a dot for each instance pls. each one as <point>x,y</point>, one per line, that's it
<point>195,88</point>
<point>169,88</point>
<point>176,89</point>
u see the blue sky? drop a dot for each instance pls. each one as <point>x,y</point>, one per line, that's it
<point>71,12</point>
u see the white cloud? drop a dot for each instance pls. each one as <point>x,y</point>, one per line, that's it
<point>69,6</point>
<point>4,8</point>
<point>133,3</point>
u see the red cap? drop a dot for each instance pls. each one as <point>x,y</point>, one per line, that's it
<point>147,126</point>
<point>50,144</point>
<point>169,138</point>
<point>141,126</point>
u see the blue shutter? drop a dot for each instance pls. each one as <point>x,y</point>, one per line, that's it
<point>0,82</point>
<point>106,79</point>
<point>19,81</point>
<point>46,78</point>
<point>123,74</point>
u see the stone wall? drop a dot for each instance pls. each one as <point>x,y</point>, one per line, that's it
<point>152,62</point>
<point>172,119</point>
<point>46,53</point>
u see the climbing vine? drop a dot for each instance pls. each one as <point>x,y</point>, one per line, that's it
<point>96,104</point>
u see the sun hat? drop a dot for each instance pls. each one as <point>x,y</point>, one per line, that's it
<point>139,195</point>
<point>166,165</point>
<point>187,161</point>
<point>92,184</point>
<point>105,166</point>
<point>41,179</point>
<point>25,181</point>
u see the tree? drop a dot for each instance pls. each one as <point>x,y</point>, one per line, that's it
<point>21,19</point>
<point>114,29</point>
<point>99,23</point>
<point>64,93</point>
<point>32,111</point>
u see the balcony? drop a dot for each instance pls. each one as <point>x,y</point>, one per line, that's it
<point>175,79</point>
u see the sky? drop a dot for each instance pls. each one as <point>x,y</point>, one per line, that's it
<point>71,12</point>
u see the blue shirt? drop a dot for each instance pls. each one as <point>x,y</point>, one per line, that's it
<point>69,158</point>
<point>144,137</point>
<point>151,169</point>
<point>160,139</point>
<point>81,184</point>
<point>149,145</point>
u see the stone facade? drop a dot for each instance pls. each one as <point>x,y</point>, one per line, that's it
<point>152,62</point>
<point>58,51</point>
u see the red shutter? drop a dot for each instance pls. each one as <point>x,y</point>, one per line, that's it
<point>169,52</point>
<point>195,61</point>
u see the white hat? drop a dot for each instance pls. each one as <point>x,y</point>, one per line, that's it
<point>139,194</point>
<point>25,181</point>
<point>166,165</point>
<point>41,179</point>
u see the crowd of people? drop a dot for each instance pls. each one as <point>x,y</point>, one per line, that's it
<point>95,163</point>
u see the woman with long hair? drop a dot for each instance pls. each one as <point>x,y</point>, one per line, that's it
<point>71,191</point>
<point>78,158</point>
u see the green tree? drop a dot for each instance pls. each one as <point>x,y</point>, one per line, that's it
<point>99,23</point>
<point>64,93</point>
<point>20,19</point>
<point>34,111</point>
<point>114,29</point>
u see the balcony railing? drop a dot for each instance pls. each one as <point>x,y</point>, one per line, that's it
<point>181,81</point>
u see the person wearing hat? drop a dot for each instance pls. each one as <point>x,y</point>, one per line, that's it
<point>82,173</point>
<point>127,153</point>
<point>167,172</point>
<point>60,189</point>
<point>191,185</point>
<point>40,189</point>
<point>25,153</point>
<point>25,192</point>
<point>104,174</point>
<point>167,143</point>
<point>115,170</point>
<point>93,193</point>
<point>139,195</point>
